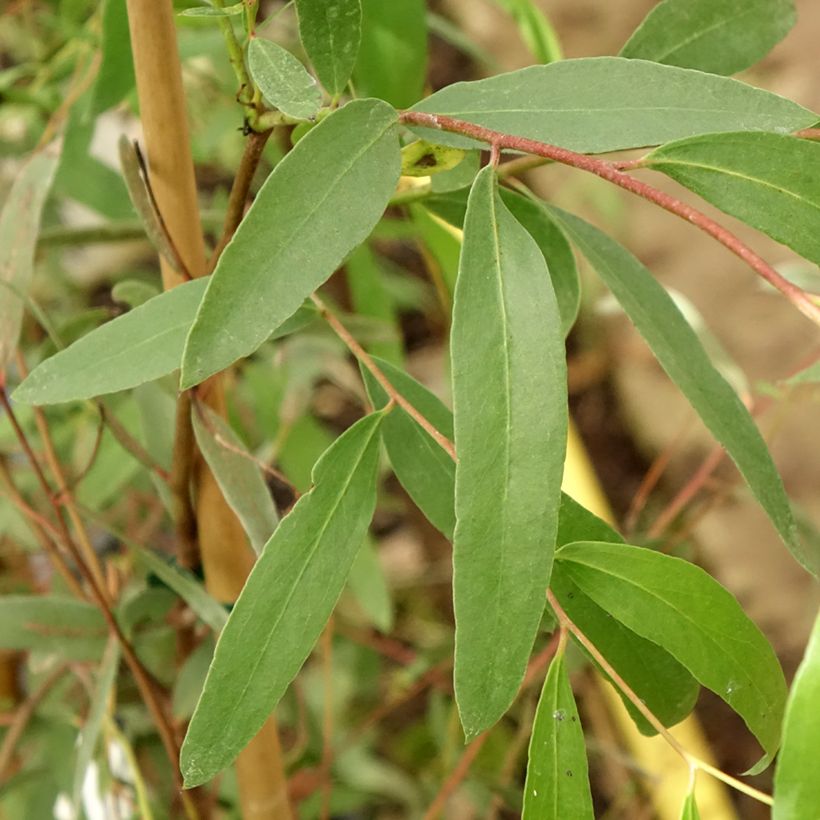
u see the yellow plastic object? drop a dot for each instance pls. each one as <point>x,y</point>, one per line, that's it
<point>668,776</point>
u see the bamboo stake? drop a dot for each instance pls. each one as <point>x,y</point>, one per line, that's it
<point>226,557</point>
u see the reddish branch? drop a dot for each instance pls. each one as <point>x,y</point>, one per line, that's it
<point>610,172</point>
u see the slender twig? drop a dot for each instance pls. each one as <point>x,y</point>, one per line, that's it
<point>610,172</point>
<point>327,719</point>
<point>691,761</point>
<point>254,146</point>
<point>361,354</point>
<point>182,471</point>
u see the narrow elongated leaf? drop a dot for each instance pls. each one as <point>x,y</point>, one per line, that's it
<point>19,224</point>
<point>285,603</point>
<point>392,59</point>
<point>510,420</point>
<point>536,29</point>
<point>137,347</point>
<point>577,523</point>
<point>424,469</point>
<point>718,36</point>
<point>683,609</point>
<point>557,785</point>
<point>690,808</point>
<point>796,785</point>
<point>67,627</point>
<point>591,105</point>
<point>321,201</point>
<point>369,586</point>
<point>330,31</point>
<point>283,80</point>
<point>680,353</point>
<point>240,480</point>
<point>655,676</point>
<point>770,181</point>
<point>116,75</point>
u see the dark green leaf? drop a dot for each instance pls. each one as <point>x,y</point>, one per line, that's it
<point>601,104</point>
<point>283,80</point>
<point>330,31</point>
<point>681,355</point>
<point>66,627</point>
<point>240,480</point>
<point>577,523</point>
<point>718,36</point>
<point>393,54</point>
<point>140,346</point>
<point>285,603</point>
<point>510,420</point>
<point>557,785</point>
<point>770,181</point>
<point>683,609</point>
<point>19,224</point>
<point>115,78</point>
<point>796,785</point>
<point>321,201</point>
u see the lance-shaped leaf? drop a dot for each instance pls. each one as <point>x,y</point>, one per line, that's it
<point>424,469</point>
<point>536,29</point>
<point>321,201</point>
<point>510,420</point>
<point>796,785</point>
<point>690,808</point>
<point>285,603</point>
<point>283,80</point>
<point>138,347</point>
<point>239,478</point>
<point>19,224</point>
<point>330,31</point>
<point>718,36</point>
<point>116,75</point>
<point>557,785</point>
<point>683,609</point>
<point>770,181</point>
<point>680,353</point>
<point>601,104</point>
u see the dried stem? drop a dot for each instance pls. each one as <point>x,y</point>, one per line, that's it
<point>610,172</point>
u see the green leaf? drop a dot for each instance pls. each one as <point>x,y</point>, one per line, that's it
<point>683,609</point>
<point>557,785</point>
<point>536,29</point>
<point>115,78</point>
<point>680,353</point>
<point>422,467</point>
<point>718,36</point>
<point>137,347</point>
<point>392,60</point>
<point>811,375</point>
<point>368,584</point>
<point>796,785</point>
<point>19,225</point>
<point>90,733</point>
<point>330,31</point>
<point>770,181</point>
<point>593,105</point>
<point>423,159</point>
<point>654,675</point>
<point>690,808</point>
<point>320,202</point>
<point>212,11</point>
<point>239,478</point>
<point>577,523</point>
<point>285,603</point>
<point>510,419</point>
<point>283,80</point>
<point>133,292</point>
<point>65,627</point>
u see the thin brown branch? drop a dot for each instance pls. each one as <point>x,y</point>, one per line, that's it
<point>610,172</point>
<point>327,719</point>
<point>182,472</point>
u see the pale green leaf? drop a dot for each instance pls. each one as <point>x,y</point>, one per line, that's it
<point>115,78</point>
<point>233,10</point>
<point>690,808</point>
<point>811,375</point>
<point>133,292</point>
<point>680,353</point>
<point>140,346</point>
<point>557,785</point>
<point>283,80</point>
<point>19,225</point>
<point>510,419</point>
<point>368,584</point>
<point>320,202</point>
<point>796,785</point>
<point>71,629</point>
<point>683,609</point>
<point>392,60</point>
<point>718,36</point>
<point>423,159</point>
<point>770,181</point>
<point>190,680</point>
<point>599,104</point>
<point>536,29</point>
<point>285,603</point>
<point>330,31</point>
<point>239,478</point>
